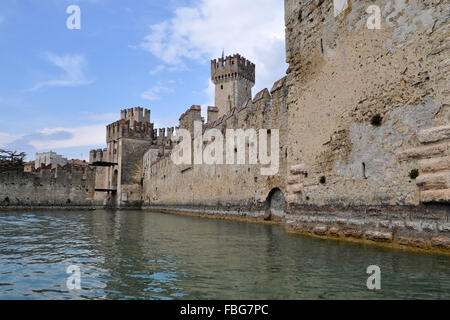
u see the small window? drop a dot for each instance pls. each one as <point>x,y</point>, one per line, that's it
<point>221,87</point>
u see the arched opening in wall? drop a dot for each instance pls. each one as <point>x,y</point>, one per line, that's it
<point>275,205</point>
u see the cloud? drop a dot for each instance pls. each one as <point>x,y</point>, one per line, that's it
<point>201,31</point>
<point>6,138</point>
<point>154,93</point>
<point>56,138</point>
<point>73,76</point>
<point>100,116</point>
<point>157,70</point>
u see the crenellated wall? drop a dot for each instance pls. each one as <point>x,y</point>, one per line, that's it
<point>66,186</point>
<point>237,186</point>
<point>363,118</point>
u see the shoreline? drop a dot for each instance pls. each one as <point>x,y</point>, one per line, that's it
<point>327,225</point>
<point>423,242</point>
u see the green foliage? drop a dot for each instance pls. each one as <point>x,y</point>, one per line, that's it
<point>376,120</point>
<point>414,174</point>
<point>11,160</point>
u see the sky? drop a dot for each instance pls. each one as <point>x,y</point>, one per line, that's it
<point>60,87</point>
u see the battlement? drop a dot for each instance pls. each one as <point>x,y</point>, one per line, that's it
<point>137,114</point>
<point>98,155</point>
<point>232,67</point>
<point>213,114</point>
<point>127,129</point>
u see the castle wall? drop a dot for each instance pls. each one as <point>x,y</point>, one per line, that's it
<point>131,170</point>
<point>363,109</point>
<point>341,74</point>
<point>354,175</point>
<point>48,188</point>
<point>238,186</point>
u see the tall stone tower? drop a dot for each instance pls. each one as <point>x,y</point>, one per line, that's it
<point>234,78</point>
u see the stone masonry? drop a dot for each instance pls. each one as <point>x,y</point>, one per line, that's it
<point>363,119</point>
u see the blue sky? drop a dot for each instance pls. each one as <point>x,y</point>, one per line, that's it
<point>60,87</point>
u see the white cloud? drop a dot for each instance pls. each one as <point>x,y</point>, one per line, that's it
<point>165,122</point>
<point>6,138</point>
<point>154,93</point>
<point>157,70</point>
<point>100,116</point>
<point>73,76</point>
<point>254,29</point>
<point>76,137</point>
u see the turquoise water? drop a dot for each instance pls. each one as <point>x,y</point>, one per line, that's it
<point>140,255</point>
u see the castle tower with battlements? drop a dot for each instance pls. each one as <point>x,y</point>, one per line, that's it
<point>234,78</point>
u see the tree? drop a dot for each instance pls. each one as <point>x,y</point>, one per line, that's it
<point>11,160</point>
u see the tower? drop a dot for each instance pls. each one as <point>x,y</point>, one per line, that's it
<point>234,78</point>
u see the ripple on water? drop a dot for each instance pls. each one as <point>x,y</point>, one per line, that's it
<point>137,255</point>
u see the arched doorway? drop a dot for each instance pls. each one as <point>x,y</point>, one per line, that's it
<point>275,205</point>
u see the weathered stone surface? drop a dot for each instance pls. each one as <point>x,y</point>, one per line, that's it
<point>334,231</point>
<point>434,164</point>
<point>378,236</point>
<point>417,226</point>
<point>353,233</point>
<point>416,242</point>
<point>293,180</point>
<point>60,188</point>
<point>424,152</point>
<point>321,229</point>
<point>296,188</point>
<point>299,169</point>
<point>434,134</point>
<point>427,226</point>
<point>291,198</point>
<point>435,196</point>
<point>441,242</point>
<point>438,180</point>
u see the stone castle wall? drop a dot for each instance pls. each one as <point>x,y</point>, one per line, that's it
<point>353,176</point>
<point>237,186</point>
<point>364,109</point>
<point>62,187</point>
<point>341,74</point>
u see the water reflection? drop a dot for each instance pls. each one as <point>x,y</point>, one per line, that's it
<point>138,255</point>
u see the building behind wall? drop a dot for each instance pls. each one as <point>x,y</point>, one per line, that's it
<point>49,158</point>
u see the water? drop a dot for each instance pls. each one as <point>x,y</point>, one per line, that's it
<point>139,255</point>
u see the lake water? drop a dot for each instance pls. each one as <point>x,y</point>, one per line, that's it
<point>141,255</point>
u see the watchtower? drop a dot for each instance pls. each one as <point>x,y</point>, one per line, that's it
<point>234,78</point>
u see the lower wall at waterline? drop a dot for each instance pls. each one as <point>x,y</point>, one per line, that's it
<point>426,227</point>
<point>48,189</point>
